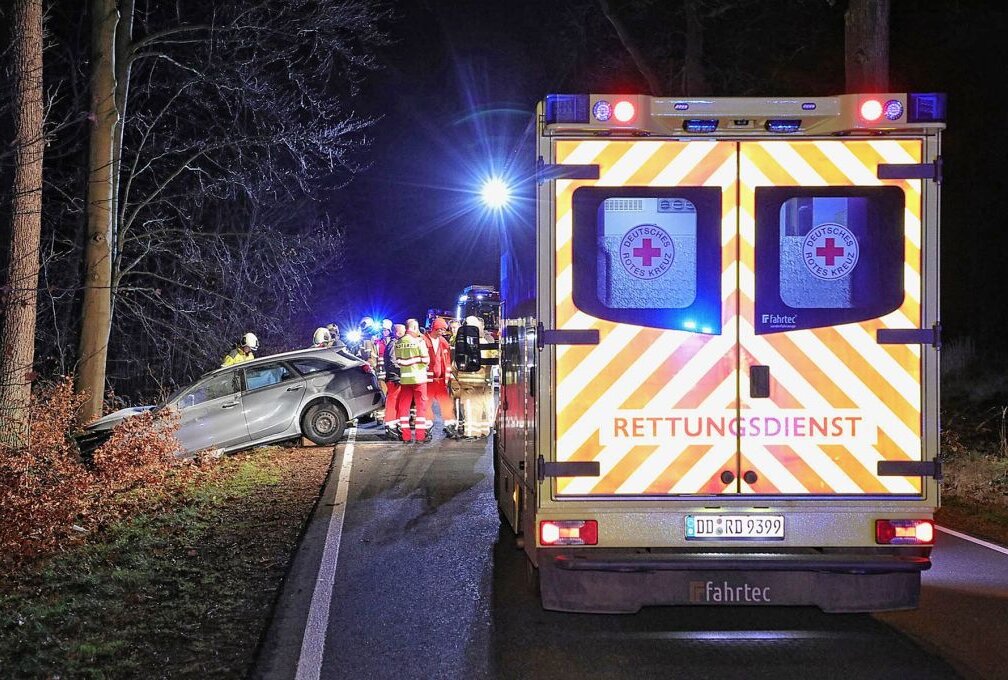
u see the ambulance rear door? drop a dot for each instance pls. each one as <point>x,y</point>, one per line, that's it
<point>646,256</point>
<point>830,263</point>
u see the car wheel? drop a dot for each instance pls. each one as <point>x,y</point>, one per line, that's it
<point>324,423</point>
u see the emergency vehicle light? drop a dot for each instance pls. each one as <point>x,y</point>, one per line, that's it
<point>926,107</point>
<point>700,125</point>
<point>624,111</point>
<point>566,108</point>
<point>783,125</point>
<point>871,110</point>
<point>568,532</point>
<point>904,531</point>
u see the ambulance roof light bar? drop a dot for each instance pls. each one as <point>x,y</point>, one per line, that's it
<point>843,114</point>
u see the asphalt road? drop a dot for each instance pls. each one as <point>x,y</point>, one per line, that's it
<point>425,584</point>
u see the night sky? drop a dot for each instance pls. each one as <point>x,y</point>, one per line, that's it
<point>462,79</point>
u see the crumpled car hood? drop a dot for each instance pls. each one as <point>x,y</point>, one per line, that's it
<point>114,418</point>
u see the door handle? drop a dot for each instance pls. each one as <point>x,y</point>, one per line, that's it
<point>231,405</point>
<point>759,382</point>
<point>294,388</point>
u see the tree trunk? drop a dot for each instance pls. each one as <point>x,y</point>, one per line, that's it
<point>866,46</point>
<point>17,336</point>
<point>96,313</point>
<point>694,75</point>
<point>654,83</point>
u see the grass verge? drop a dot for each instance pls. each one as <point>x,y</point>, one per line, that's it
<point>183,591</point>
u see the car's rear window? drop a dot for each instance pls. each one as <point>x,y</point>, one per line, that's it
<point>307,366</point>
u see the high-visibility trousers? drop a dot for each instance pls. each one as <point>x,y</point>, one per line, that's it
<point>437,391</point>
<point>391,404</point>
<point>409,394</point>
<point>476,409</point>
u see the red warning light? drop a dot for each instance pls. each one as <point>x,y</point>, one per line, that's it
<point>871,110</point>
<point>624,111</point>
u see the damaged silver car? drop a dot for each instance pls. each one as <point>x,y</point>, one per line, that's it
<point>312,393</point>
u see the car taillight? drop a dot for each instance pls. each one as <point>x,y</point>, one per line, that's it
<point>904,531</point>
<point>568,532</point>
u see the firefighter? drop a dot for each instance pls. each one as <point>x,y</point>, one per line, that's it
<point>453,327</point>
<point>439,373</point>
<point>381,344</point>
<point>366,348</point>
<point>475,398</point>
<point>412,358</point>
<point>243,350</point>
<point>392,420</point>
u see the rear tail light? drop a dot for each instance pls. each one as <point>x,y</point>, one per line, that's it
<point>568,532</point>
<point>904,531</point>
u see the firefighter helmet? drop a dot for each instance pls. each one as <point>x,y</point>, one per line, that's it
<point>251,341</point>
<point>322,337</point>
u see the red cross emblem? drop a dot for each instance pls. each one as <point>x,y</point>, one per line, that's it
<point>646,252</point>
<point>830,251</point>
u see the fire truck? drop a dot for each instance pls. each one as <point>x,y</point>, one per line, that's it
<point>481,301</point>
<point>719,351</point>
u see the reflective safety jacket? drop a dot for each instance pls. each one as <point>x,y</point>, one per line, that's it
<point>236,356</point>
<point>440,353</point>
<point>412,357</point>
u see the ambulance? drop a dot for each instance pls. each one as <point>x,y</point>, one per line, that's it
<point>719,351</point>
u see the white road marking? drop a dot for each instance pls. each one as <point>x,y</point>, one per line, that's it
<point>971,539</point>
<point>309,665</point>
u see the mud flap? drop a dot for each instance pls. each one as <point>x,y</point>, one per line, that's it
<point>625,592</point>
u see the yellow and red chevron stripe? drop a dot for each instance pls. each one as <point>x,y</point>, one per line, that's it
<point>638,368</point>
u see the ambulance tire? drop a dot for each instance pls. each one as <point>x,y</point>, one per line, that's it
<point>324,423</point>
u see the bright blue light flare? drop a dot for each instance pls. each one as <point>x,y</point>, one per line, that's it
<point>495,193</point>
<point>354,336</point>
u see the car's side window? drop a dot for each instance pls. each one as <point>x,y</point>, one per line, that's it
<point>309,366</point>
<point>266,375</point>
<point>213,388</point>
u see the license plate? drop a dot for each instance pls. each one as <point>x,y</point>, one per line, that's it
<point>734,526</point>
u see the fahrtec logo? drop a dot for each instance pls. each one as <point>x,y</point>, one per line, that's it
<point>779,319</point>
<point>708,592</point>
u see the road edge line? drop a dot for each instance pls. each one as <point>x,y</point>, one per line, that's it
<point>973,539</point>
<point>309,666</point>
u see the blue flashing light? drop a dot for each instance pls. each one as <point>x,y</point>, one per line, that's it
<point>707,329</point>
<point>463,298</point>
<point>680,106</point>
<point>566,108</point>
<point>893,109</point>
<point>689,324</point>
<point>700,125</point>
<point>783,125</point>
<point>808,106</point>
<point>354,336</point>
<point>602,110</point>
<point>926,107</point>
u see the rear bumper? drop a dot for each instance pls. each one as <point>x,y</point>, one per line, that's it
<point>617,581</point>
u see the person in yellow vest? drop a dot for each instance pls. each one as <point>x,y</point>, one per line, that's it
<point>412,357</point>
<point>243,350</point>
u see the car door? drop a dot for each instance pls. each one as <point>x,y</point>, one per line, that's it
<point>211,414</point>
<point>272,398</point>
